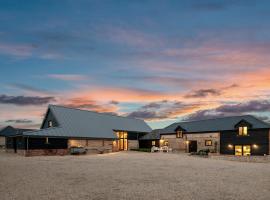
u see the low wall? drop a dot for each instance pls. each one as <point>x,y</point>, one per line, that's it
<point>256,159</point>
<point>93,146</point>
<point>44,152</point>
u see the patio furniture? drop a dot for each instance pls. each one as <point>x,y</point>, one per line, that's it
<point>154,149</point>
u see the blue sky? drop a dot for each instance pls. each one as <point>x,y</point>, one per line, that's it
<point>162,61</point>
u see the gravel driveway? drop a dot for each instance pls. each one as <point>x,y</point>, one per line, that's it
<point>131,175</point>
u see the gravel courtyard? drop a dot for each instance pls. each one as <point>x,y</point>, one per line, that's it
<point>131,175</point>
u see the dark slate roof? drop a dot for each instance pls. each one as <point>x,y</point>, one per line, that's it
<point>87,124</point>
<point>11,131</point>
<point>218,124</point>
<point>154,135</point>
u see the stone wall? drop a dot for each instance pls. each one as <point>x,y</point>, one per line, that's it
<point>133,144</point>
<point>93,146</point>
<point>177,144</point>
<point>2,142</point>
<point>202,137</point>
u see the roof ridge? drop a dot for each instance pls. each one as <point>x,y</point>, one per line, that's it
<point>44,129</point>
<point>106,114</point>
<point>266,123</point>
<point>217,118</point>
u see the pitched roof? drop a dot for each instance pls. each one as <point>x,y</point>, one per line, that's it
<point>153,135</point>
<point>81,123</point>
<point>11,131</point>
<point>217,124</point>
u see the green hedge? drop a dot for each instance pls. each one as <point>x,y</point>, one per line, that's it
<point>142,150</point>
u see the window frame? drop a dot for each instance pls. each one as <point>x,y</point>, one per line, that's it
<point>50,123</point>
<point>179,134</point>
<point>243,131</point>
<point>208,145</point>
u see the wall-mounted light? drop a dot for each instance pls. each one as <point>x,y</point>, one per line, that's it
<point>187,142</point>
<point>230,146</point>
<point>255,146</point>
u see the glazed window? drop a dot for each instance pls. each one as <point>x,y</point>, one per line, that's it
<point>208,142</point>
<point>179,134</point>
<point>50,124</point>
<point>153,143</point>
<point>243,130</point>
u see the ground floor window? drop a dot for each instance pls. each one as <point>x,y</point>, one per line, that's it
<point>242,150</point>
<point>208,142</point>
<point>153,143</point>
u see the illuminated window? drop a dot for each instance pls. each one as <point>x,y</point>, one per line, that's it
<point>166,143</point>
<point>179,134</point>
<point>208,142</point>
<point>153,143</point>
<point>242,150</point>
<point>243,130</point>
<point>238,150</point>
<point>50,124</point>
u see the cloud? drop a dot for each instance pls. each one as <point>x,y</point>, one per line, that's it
<point>18,50</point>
<point>251,106</point>
<point>68,77</point>
<point>203,114</point>
<point>203,93</point>
<point>219,5</point>
<point>231,110</point>
<point>92,105</point>
<point>120,94</point>
<point>25,100</point>
<point>163,110</point>
<point>28,88</point>
<point>19,121</point>
<point>131,37</point>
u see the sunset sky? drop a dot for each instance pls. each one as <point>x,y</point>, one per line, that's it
<point>161,61</point>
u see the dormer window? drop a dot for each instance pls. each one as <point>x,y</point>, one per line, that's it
<point>179,134</point>
<point>243,130</point>
<point>50,124</point>
<point>243,127</point>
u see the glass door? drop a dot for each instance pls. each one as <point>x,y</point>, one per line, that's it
<point>122,141</point>
<point>242,150</point>
<point>246,150</point>
<point>238,150</point>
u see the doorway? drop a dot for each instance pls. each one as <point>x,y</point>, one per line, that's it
<point>192,147</point>
<point>14,144</point>
<point>122,141</point>
<point>242,150</point>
